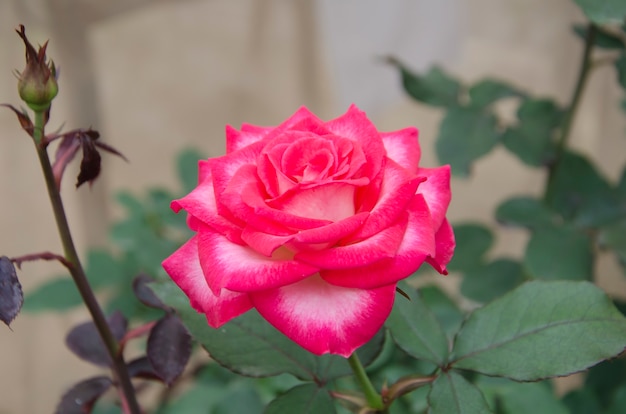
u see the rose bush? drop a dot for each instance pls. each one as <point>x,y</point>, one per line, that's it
<point>312,223</point>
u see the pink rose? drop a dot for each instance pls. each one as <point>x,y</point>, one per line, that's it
<point>312,223</point>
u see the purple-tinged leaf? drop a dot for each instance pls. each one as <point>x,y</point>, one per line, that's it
<point>84,340</point>
<point>110,149</point>
<point>90,164</point>
<point>169,348</point>
<point>23,118</point>
<point>145,294</point>
<point>81,398</point>
<point>142,368</point>
<point>66,152</point>
<point>11,296</point>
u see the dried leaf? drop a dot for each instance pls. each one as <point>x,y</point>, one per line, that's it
<point>169,348</point>
<point>11,296</point>
<point>90,164</point>
<point>65,154</point>
<point>23,118</point>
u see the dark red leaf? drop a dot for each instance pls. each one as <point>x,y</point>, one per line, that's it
<point>23,118</point>
<point>169,348</point>
<point>90,164</point>
<point>11,296</point>
<point>110,149</point>
<point>66,152</point>
<point>142,368</point>
<point>145,294</point>
<point>84,339</point>
<point>81,398</point>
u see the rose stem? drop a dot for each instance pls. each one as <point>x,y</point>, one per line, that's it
<point>374,399</point>
<point>76,268</point>
<point>583,74</point>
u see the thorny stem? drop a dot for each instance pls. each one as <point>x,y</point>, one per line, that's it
<point>374,400</point>
<point>78,273</point>
<point>583,74</point>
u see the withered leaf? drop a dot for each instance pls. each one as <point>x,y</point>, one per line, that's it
<point>11,296</point>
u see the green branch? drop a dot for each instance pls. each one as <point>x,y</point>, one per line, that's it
<point>374,400</point>
<point>583,74</point>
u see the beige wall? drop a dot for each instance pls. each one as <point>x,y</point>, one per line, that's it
<point>172,74</point>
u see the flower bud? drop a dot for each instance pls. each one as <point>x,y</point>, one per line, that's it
<point>37,84</point>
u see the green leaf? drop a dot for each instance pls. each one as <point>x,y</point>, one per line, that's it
<point>187,168</point>
<point>445,310</point>
<point>465,135</point>
<point>620,67</point>
<point>541,330</point>
<point>555,253</point>
<point>614,237</point>
<point>102,269</point>
<point>579,193</point>
<point>55,295</point>
<point>618,405</point>
<point>247,345</point>
<point>329,367</point>
<point>472,242</point>
<point>603,11</point>
<point>303,399</point>
<point>243,398</point>
<point>486,283</point>
<point>621,186</point>
<point>488,91</point>
<point>533,397</point>
<point>435,88</point>
<point>582,401</point>
<point>531,140</point>
<point>200,395</point>
<point>525,212</point>
<point>452,394</point>
<point>603,38</point>
<point>130,202</point>
<point>604,378</point>
<point>415,329</point>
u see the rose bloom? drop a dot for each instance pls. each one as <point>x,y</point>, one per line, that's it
<point>312,223</point>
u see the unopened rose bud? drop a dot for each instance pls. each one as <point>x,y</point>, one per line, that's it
<point>37,83</point>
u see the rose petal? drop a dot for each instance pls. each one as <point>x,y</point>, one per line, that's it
<point>200,203</point>
<point>183,266</point>
<point>264,243</point>
<point>320,237</point>
<point>332,232</point>
<point>225,167</point>
<point>355,125</point>
<point>236,140</point>
<point>323,318</point>
<point>241,269</point>
<point>445,248</point>
<point>333,201</point>
<point>243,199</point>
<point>380,246</point>
<point>403,147</point>
<point>397,189</point>
<point>436,191</point>
<point>418,244</point>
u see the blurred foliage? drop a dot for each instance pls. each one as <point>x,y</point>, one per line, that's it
<point>532,317</point>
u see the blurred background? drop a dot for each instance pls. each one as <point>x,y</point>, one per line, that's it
<point>156,76</point>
